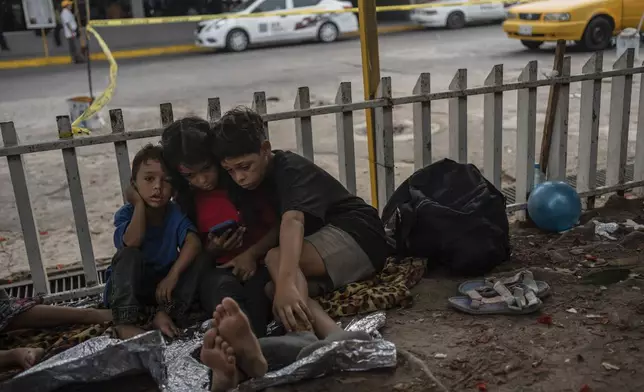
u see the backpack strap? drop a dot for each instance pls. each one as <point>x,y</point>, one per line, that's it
<point>405,222</point>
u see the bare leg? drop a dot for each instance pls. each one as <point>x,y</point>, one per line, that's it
<point>20,357</point>
<point>234,327</point>
<point>218,355</point>
<point>323,325</point>
<point>311,264</point>
<point>127,331</point>
<point>43,316</point>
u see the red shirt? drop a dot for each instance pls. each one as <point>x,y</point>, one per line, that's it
<point>215,207</point>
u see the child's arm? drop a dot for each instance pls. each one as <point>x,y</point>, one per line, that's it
<point>135,231</point>
<point>266,243</point>
<point>288,301</point>
<point>291,237</point>
<point>245,264</point>
<point>189,251</point>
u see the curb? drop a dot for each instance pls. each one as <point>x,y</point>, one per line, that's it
<point>156,51</point>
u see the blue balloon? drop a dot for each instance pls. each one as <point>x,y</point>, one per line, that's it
<point>554,206</point>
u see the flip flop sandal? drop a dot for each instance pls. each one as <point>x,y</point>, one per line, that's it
<point>519,301</point>
<point>485,287</point>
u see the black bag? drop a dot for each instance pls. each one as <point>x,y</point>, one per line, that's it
<point>449,213</point>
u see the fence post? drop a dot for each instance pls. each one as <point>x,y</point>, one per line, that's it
<point>526,133</point>
<point>259,105</point>
<point>121,151</point>
<point>458,119</point>
<point>638,169</point>
<point>558,158</point>
<point>422,114</point>
<point>620,109</point>
<point>346,148</point>
<point>493,128</point>
<point>25,211</point>
<point>589,111</point>
<point>385,144</point>
<point>303,125</point>
<point>78,203</point>
<point>214,110</point>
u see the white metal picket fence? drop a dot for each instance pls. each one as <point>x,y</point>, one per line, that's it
<point>621,76</point>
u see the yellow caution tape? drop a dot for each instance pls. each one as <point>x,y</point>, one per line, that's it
<point>200,18</point>
<point>106,97</point>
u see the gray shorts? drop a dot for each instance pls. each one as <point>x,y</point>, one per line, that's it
<point>344,259</point>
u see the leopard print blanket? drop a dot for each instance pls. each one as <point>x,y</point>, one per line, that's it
<point>388,289</point>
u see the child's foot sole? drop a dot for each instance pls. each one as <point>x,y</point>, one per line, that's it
<point>219,356</point>
<point>236,330</point>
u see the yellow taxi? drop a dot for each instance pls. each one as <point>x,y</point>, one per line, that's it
<point>591,23</point>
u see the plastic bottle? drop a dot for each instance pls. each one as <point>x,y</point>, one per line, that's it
<point>538,175</point>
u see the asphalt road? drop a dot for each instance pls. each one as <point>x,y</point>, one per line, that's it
<point>234,76</point>
<point>33,97</point>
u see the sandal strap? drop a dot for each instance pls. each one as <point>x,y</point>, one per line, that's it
<point>525,278</point>
<point>519,298</point>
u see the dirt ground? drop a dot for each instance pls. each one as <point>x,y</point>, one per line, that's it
<point>587,337</point>
<point>593,344</point>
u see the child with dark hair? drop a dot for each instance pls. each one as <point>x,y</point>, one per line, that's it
<point>327,236</point>
<point>209,198</point>
<point>157,261</point>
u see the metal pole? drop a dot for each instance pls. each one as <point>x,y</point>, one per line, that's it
<point>89,52</point>
<point>371,79</point>
<point>44,42</point>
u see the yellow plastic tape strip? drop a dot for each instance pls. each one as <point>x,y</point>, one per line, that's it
<point>106,97</point>
<point>200,18</point>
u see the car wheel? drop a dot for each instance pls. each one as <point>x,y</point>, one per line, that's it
<point>598,34</point>
<point>328,32</point>
<point>532,45</point>
<point>456,20</point>
<point>237,41</point>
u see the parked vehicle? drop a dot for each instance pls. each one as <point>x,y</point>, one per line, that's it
<point>457,16</point>
<point>236,34</point>
<point>590,23</point>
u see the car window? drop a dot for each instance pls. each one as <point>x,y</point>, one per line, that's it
<point>305,3</point>
<point>270,5</point>
<point>241,6</point>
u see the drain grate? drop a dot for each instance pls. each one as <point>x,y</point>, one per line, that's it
<point>59,283</point>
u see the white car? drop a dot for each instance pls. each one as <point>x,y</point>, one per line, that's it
<point>457,16</point>
<point>236,34</point>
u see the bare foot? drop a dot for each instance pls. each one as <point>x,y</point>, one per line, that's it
<point>26,357</point>
<point>127,331</point>
<point>234,327</point>
<point>220,357</point>
<point>163,322</point>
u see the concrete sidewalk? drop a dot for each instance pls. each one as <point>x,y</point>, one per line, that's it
<point>140,43</point>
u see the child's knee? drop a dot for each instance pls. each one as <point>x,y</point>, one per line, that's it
<point>269,289</point>
<point>272,258</point>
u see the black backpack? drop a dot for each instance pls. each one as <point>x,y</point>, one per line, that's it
<point>449,213</point>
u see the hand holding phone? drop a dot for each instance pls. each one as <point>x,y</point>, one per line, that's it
<point>225,237</point>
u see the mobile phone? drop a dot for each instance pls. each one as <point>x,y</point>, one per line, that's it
<point>220,229</point>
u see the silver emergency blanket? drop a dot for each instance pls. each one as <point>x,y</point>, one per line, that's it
<point>98,359</point>
<point>346,355</point>
<point>175,366</point>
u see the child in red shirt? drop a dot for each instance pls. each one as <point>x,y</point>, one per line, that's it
<point>206,194</point>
